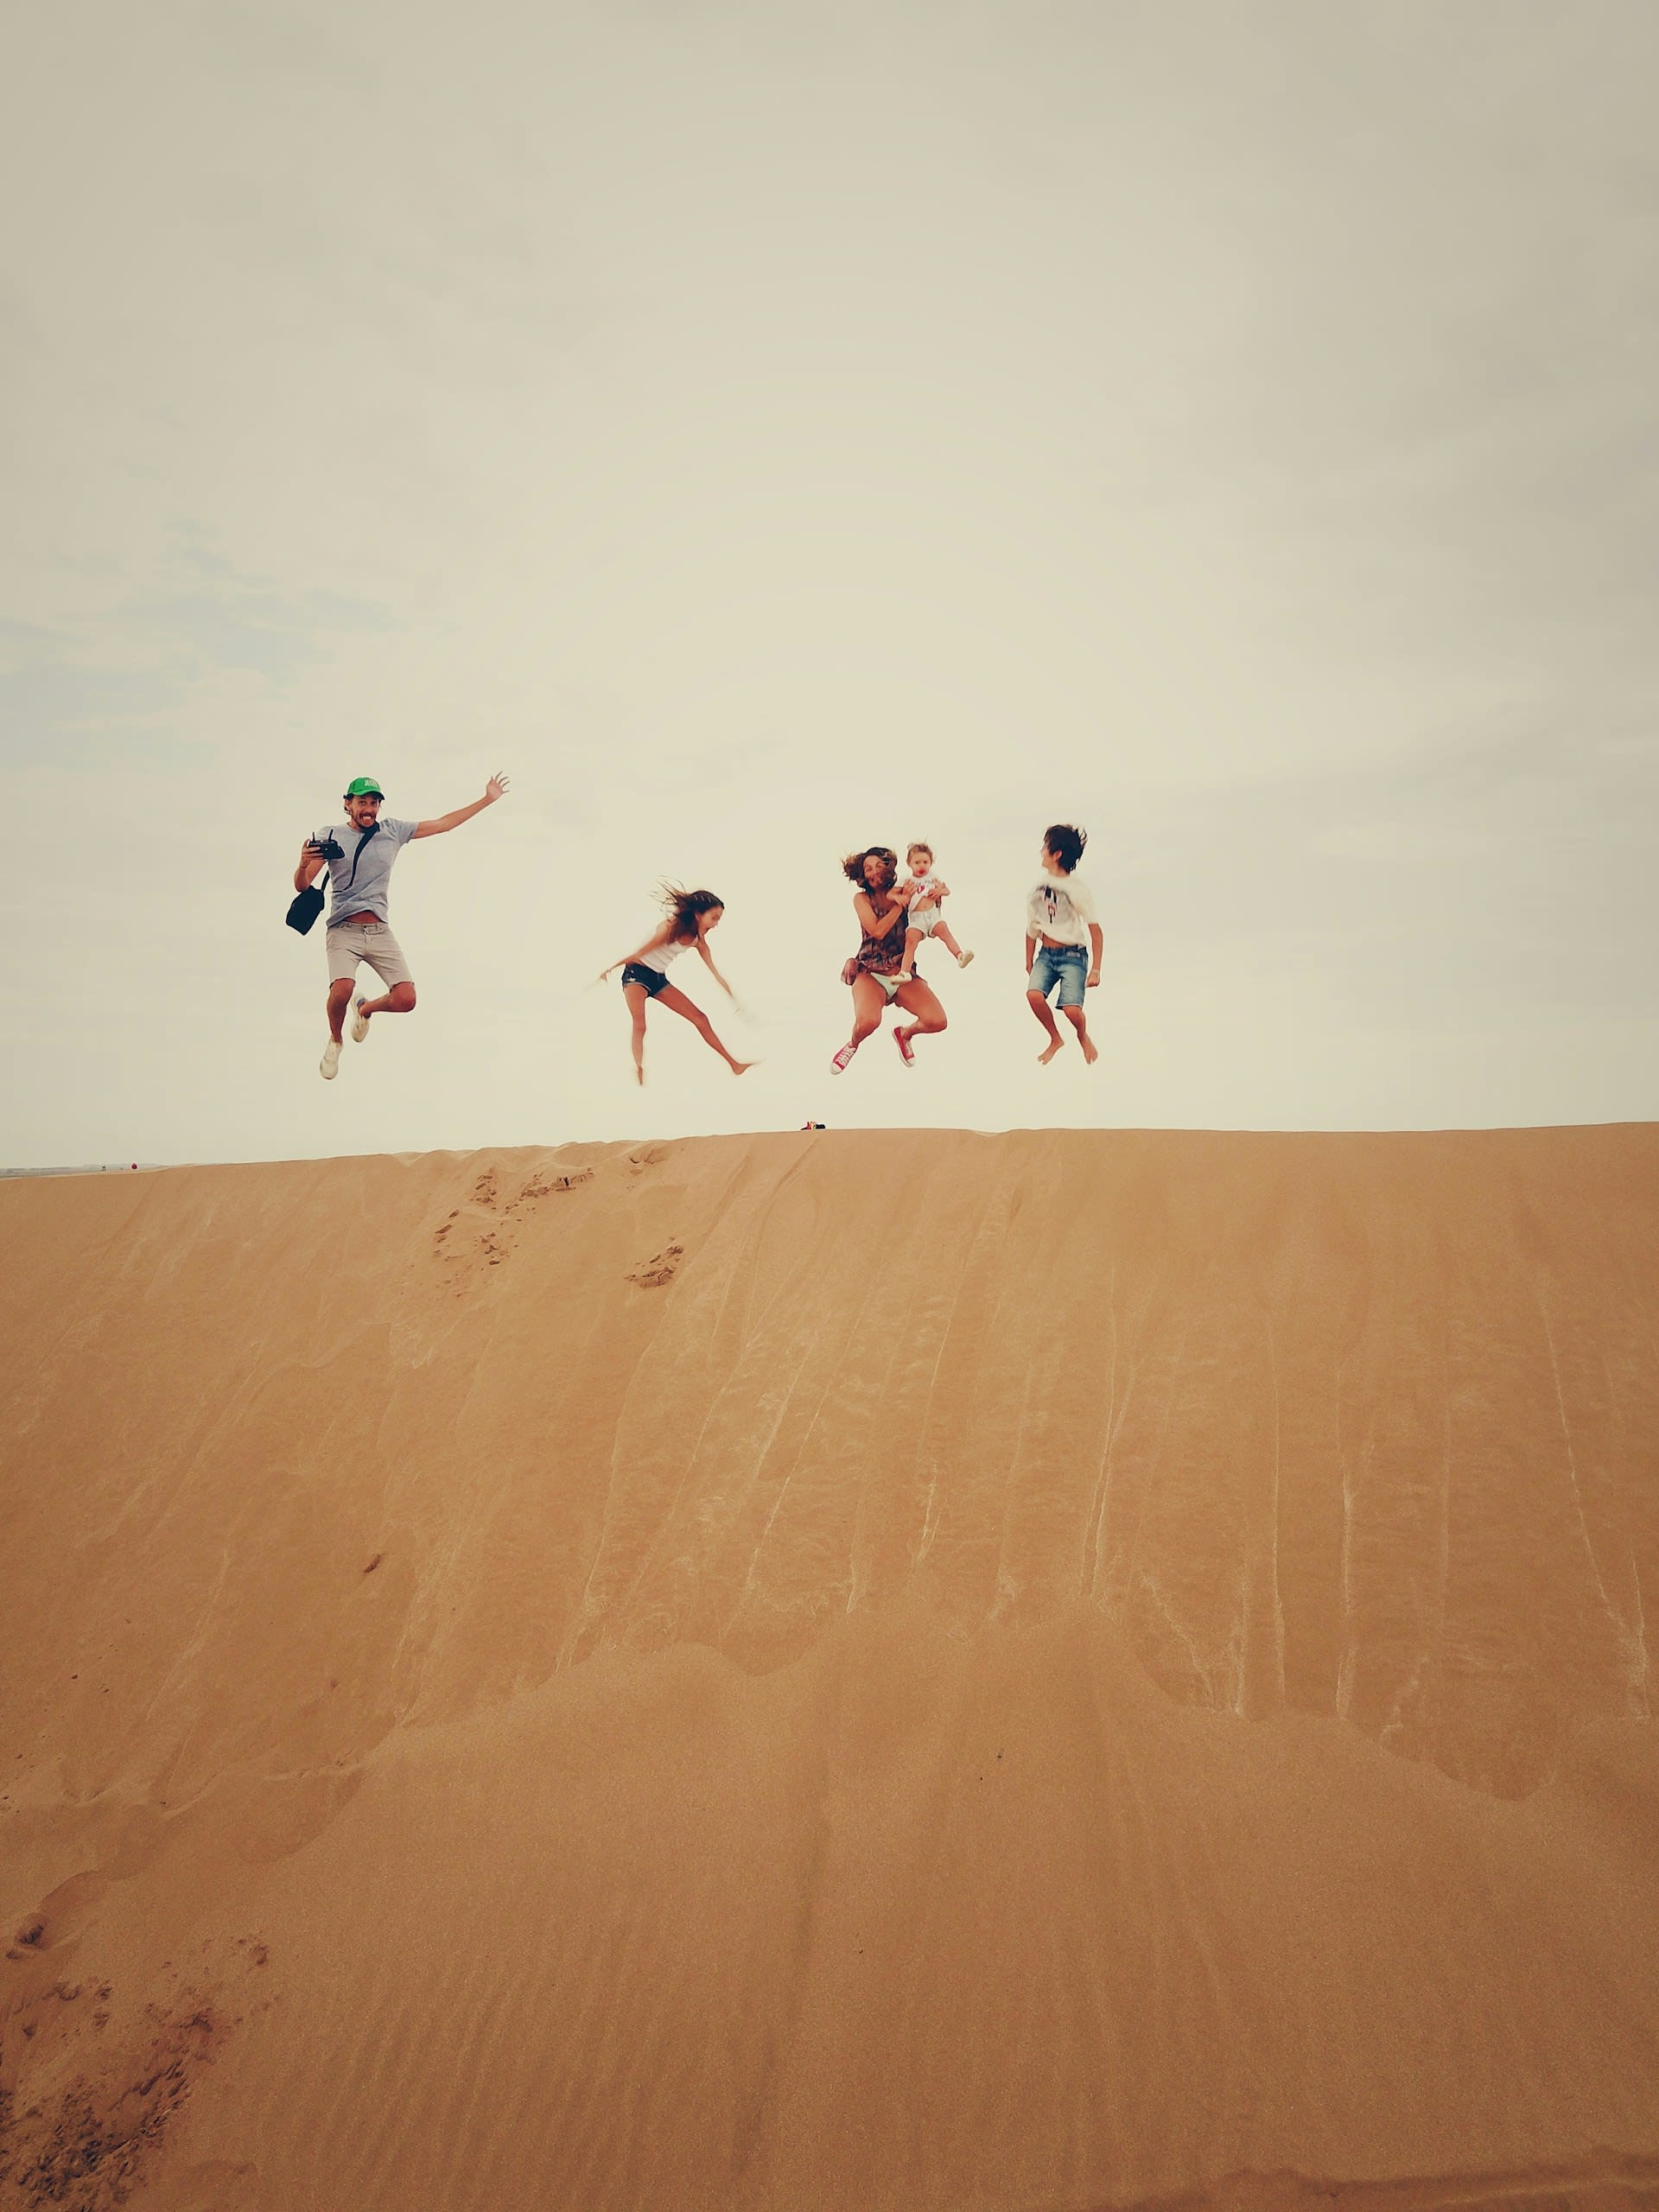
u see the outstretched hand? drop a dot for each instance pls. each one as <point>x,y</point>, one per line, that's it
<point>495,789</point>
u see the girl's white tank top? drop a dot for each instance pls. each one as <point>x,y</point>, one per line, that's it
<point>660,956</point>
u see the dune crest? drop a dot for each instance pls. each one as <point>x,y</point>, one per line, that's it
<point>840,1669</point>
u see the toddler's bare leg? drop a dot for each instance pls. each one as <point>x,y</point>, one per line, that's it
<point>942,930</point>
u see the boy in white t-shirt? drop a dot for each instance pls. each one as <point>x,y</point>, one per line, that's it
<point>925,919</point>
<point>1059,921</point>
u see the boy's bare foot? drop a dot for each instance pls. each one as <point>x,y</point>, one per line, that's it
<point>639,1075</point>
<point>1090,1051</point>
<point>1048,1051</point>
<point>742,1067</point>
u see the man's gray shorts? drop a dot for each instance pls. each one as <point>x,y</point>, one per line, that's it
<point>370,941</point>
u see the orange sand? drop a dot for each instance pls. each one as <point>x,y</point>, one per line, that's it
<point>877,1671</point>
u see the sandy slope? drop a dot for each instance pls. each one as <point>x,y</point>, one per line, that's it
<point>874,1670</point>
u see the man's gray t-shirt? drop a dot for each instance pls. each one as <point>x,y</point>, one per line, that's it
<point>364,890</point>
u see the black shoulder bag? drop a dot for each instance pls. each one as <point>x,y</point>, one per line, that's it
<point>306,905</point>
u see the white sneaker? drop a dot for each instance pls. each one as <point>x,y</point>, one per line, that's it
<point>359,1023</point>
<point>962,958</point>
<point>328,1065</point>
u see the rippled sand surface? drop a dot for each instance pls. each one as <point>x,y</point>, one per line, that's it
<point>882,1671</point>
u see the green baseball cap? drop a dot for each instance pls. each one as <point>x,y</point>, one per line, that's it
<point>363,787</point>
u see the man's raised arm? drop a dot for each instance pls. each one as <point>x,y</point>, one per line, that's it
<point>493,790</point>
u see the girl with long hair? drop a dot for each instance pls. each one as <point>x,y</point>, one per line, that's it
<point>690,916</point>
<point>874,969</point>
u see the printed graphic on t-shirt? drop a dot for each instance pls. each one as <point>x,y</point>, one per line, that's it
<point>1060,907</point>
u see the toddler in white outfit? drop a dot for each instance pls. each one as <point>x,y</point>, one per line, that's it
<point>925,919</point>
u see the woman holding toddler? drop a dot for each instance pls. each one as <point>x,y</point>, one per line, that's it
<point>875,970</point>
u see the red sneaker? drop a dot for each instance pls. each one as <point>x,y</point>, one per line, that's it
<point>843,1058</point>
<point>901,1038</point>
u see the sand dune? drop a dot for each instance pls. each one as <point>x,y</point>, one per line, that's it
<point>884,1670</point>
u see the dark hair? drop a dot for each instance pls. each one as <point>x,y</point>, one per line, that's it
<point>853,866</point>
<point>918,845</point>
<point>1066,843</point>
<point>683,906</point>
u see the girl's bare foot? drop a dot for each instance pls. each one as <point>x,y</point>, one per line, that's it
<point>638,1074</point>
<point>1090,1051</point>
<point>742,1067</point>
<point>1048,1052</point>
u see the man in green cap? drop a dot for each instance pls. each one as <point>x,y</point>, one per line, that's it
<point>358,854</point>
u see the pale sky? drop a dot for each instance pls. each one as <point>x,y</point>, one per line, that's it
<point>770,429</point>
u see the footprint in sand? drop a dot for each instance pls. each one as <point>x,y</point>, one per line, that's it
<point>489,1242</point>
<point>441,1248</point>
<point>661,1268</point>
<point>537,1187</point>
<point>60,1917</point>
<point>94,2141</point>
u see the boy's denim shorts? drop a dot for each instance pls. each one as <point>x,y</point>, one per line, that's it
<point>1064,964</point>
